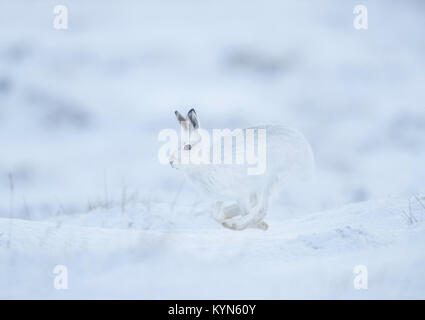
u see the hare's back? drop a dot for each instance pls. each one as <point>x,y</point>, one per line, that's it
<point>288,150</point>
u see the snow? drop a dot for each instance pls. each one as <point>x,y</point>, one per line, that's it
<point>114,254</point>
<point>81,184</point>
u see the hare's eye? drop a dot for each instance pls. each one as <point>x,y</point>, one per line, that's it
<point>188,147</point>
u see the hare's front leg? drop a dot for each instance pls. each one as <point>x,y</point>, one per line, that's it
<point>255,210</point>
<point>222,212</point>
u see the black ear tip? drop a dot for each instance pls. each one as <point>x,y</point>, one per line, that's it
<point>176,112</point>
<point>191,110</point>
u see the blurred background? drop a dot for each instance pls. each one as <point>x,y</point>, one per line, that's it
<point>81,109</point>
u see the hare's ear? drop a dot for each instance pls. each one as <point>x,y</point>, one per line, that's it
<point>193,117</point>
<point>179,117</point>
<point>182,120</point>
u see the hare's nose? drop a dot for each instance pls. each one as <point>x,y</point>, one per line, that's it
<point>171,163</point>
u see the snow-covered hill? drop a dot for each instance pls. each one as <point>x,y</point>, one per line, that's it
<point>111,253</point>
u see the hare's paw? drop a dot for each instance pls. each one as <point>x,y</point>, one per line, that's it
<point>232,226</point>
<point>240,225</point>
<point>260,225</point>
<point>231,211</point>
<point>237,223</point>
<point>252,215</point>
<point>223,212</point>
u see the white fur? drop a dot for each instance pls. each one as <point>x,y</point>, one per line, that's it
<point>240,199</point>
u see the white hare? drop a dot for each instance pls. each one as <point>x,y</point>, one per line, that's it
<point>241,199</point>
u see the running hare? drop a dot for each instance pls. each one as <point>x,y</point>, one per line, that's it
<point>241,196</point>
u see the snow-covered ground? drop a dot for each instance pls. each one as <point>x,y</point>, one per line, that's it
<point>81,184</point>
<point>118,254</point>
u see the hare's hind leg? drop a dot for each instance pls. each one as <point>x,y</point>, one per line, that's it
<point>254,201</point>
<point>255,210</point>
